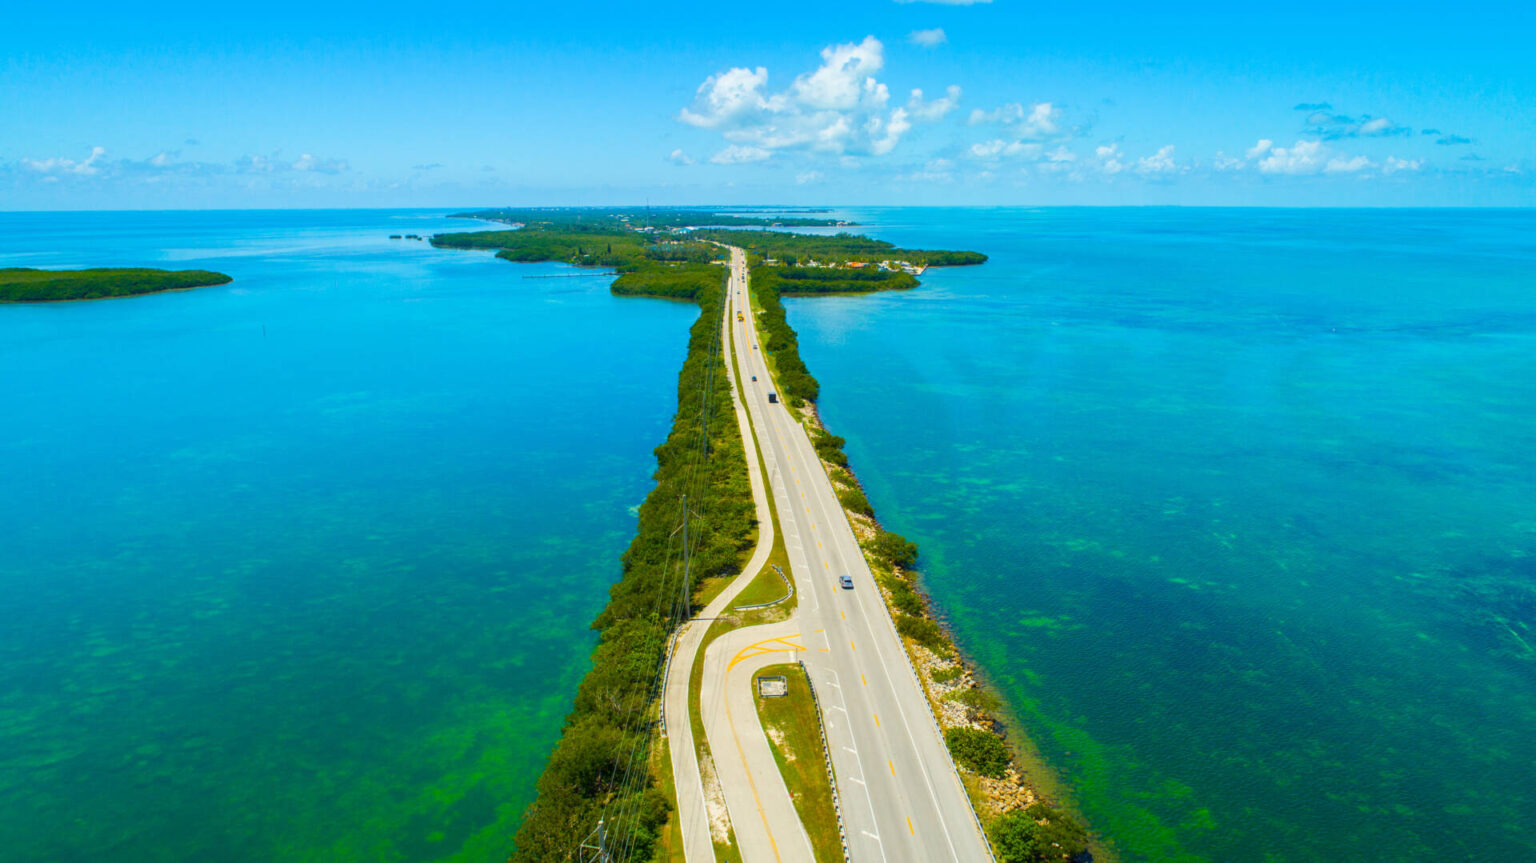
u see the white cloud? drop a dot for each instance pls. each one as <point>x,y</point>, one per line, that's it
<point>306,162</point>
<point>60,165</point>
<point>1306,157</point>
<point>1394,164</point>
<point>935,109</point>
<point>1259,149</point>
<point>1041,121</point>
<point>1378,126</point>
<point>1061,154</point>
<point>845,79</point>
<point>678,157</point>
<point>1347,165</point>
<point>806,177</point>
<point>840,107</point>
<point>727,96</point>
<point>928,38</point>
<point>1160,162</point>
<point>999,147</point>
<point>988,149</point>
<point>737,154</point>
<point>1109,157</point>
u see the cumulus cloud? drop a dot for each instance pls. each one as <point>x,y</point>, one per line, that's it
<point>1305,157</point>
<point>306,162</point>
<point>928,38</point>
<point>1394,164</point>
<point>1109,157</point>
<point>1160,162</point>
<point>1042,120</point>
<point>1329,126</point>
<point>1347,165</point>
<point>61,165</point>
<point>807,177</point>
<point>678,157</point>
<point>840,107</point>
<point>1311,156</point>
<point>933,109</point>
<point>738,154</point>
<point>998,147</point>
<point>168,165</point>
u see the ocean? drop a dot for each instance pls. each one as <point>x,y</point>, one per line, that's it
<point>302,567</point>
<point>1237,508</point>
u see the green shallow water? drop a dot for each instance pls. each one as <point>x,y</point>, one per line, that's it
<point>300,568</point>
<point>1238,508</point>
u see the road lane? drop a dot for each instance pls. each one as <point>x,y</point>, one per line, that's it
<point>886,750</point>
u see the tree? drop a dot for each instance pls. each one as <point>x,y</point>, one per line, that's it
<point>1037,834</point>
<point>895,548</point>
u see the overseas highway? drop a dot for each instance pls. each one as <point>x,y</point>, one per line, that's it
<point>899,794</point>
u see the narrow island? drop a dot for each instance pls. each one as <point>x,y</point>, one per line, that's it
<point>26,285</point>
<point>609,765</point>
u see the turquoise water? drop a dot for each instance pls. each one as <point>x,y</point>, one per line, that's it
<point>1238,507</point>
<point>300,568</point>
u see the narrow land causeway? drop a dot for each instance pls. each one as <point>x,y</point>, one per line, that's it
<point>900,795</point>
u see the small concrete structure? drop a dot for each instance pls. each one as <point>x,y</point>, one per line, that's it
<point>772,687</point>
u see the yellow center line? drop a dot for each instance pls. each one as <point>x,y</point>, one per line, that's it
<point>852,646</point>
<point>827,565</point>
<point>909,826</point>
<point>844,614</point>
<point>877,725</point>
<point>862,680</point>
<point>892,766</point>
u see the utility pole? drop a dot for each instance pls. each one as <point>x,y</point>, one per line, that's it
<point>687,566</point>
<point>598,852</point>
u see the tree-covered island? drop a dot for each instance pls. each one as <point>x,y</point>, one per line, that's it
<point>26,285</point>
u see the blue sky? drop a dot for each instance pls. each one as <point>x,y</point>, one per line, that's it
<point>577,102</point>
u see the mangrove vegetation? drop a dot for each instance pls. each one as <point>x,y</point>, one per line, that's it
<point>25,285</point>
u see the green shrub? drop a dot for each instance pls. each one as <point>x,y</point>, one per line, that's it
<point>946,675</point>
<point>1037,834</point>
<point>854,500</point>
<point>978,700</point>
<point>978,750</point>
<point>904,597</point>
<point>830,448</point>
<point>895,548</point>
<point>921,630</point>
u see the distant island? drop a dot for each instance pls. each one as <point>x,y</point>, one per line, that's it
<point>26,285</point>
<point>640,218</point>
